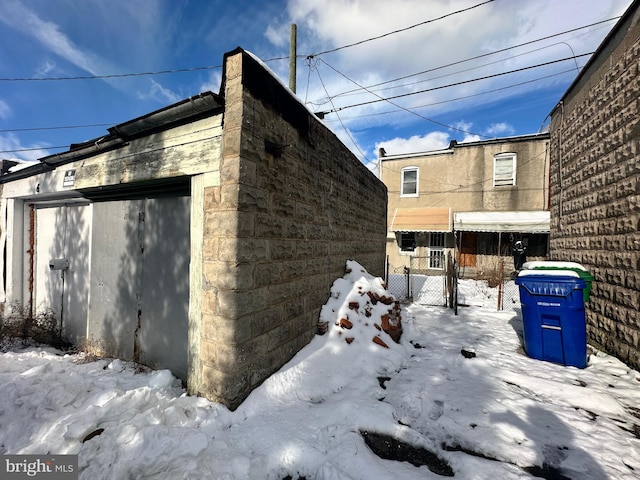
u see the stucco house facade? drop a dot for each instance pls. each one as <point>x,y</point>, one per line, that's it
<point>203,237</point>
<point>473,199</point>
<point>595,186</point>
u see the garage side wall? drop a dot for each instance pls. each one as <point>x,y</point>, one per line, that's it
<point>595,189</point>
<point>293,205</point>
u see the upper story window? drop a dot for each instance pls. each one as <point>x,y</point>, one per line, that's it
<point>504,169</point>
<point>409,187</point>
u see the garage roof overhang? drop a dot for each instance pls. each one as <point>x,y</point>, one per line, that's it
<point>422,220</point>
<point>521,222</point>
<point>200,106</point>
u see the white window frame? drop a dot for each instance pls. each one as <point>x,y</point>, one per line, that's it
<point>415,243</point>
<point>501,175</point>
<point>436,250</point>
<point>404,171</point>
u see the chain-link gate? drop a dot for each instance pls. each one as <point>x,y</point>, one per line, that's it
<point>434,281</point>
<point>427,282</point>
<point>398,282</point>
<point>509,293</point>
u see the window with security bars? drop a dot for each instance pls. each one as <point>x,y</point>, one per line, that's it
<point>436,250</point>
<point>409,182</point>
<point>504,169</point>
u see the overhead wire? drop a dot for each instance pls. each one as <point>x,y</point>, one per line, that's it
<point>486,77</point>
<point>63,127</point>
<point>400,30</point>
<point>465,97</point>
<point>502,50</point>
<point>200,68</point>
<point>302,56</point>
<point>343,125</point>
<point>398,106</point>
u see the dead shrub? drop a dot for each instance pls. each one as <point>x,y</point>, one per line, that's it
<point>42,327</point>
<point>492,278</point>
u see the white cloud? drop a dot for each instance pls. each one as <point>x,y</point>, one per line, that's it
<point>16,15</point>
<point>46,68</point>
<point>5,110</point>
<point>213,83</point>
<point>470,137</point>
<point>328,24</point>
<point>500,129</point>
<point>52,38</point>
<point>9,143</point>
<point>416,143</point>
<point>278,35</point>
<point>159,94</point>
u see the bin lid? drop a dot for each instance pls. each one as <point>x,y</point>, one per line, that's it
<point>548,273</point>
<point>552,265</point>
<point>555,283</point>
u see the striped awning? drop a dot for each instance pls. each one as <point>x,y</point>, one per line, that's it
<point>422,220</point>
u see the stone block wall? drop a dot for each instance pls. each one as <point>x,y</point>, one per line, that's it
<point>292,206</point>
<point>595,188</point>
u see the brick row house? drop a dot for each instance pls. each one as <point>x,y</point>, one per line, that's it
<point>595,185</point>
<point>473,199</point>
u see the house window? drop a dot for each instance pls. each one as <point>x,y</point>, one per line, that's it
<point>409,186</point>
<point>504,169</point>
<point>408,242</point>
<point>436,250</point>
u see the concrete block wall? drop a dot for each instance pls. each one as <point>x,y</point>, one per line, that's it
<point>595,190</point>
<point>293,205</point>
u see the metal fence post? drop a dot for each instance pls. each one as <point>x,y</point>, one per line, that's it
<point>408,273</point>
<point>386,272</point>
<point>500,284</point>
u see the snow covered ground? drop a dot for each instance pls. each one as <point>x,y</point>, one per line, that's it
<point>456,397</point>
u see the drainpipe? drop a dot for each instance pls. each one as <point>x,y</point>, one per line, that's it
<point>32,253</point>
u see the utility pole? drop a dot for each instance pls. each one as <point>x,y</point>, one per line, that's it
<point>292,57</point>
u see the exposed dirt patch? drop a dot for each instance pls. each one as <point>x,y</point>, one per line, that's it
<point>390,448</point>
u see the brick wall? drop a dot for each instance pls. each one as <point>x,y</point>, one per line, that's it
<point>595,188</point>
<point>293,205</point>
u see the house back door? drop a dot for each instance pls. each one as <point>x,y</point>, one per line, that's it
<point>62,234</point>
<point>468,246</point>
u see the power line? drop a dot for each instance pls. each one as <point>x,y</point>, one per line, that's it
<point>399,30</point>
<point>458,98</point>
<point>343,126</point>
<point>486,77</point>
<point>115,75</point>
<point>399,106</point>
<point>3,130</point>
<point>32,149</point>
<point>484,55</point>
<point>212,67</point>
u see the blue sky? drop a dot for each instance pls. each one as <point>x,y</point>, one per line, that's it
<point>399,91</point>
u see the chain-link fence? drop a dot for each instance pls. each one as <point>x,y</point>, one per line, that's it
<point>508,297</point>
<point>423,281</point>
<point>434,281</point>
<point>398,282</point>
<point>428,280</point>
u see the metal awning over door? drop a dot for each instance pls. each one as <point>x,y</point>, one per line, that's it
<point>522,222</point>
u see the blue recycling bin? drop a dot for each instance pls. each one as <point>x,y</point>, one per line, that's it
<point>553,316</point>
